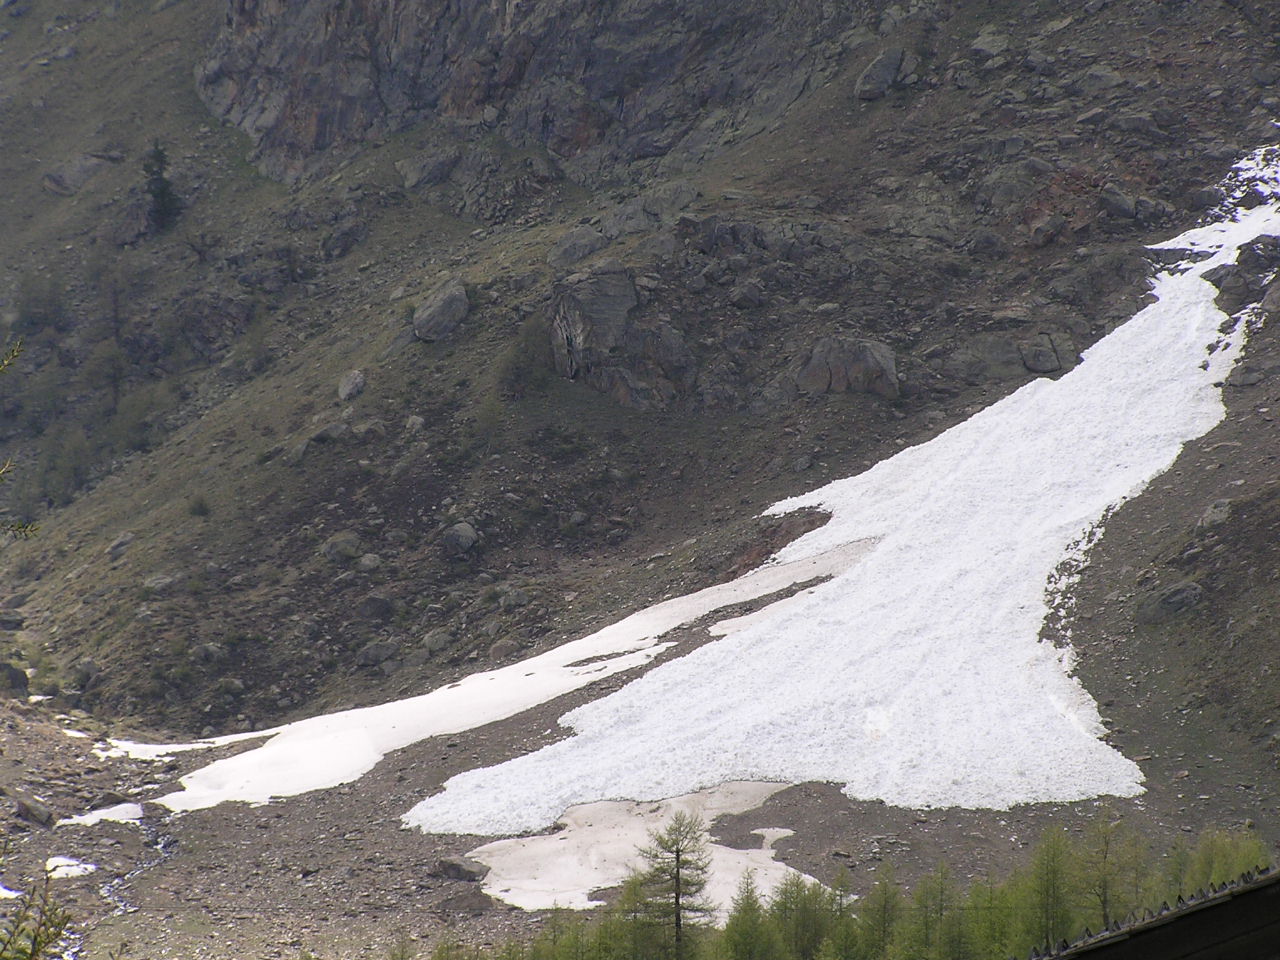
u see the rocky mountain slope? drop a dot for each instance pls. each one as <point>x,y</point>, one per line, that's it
<point>521,314</point>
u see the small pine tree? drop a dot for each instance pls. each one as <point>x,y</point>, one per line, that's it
<point>878,915</point>
<point>748,935</point>
<point>163,205</point>
<point>675,875</point>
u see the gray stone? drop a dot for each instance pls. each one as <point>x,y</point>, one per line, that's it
<point>459,868</point>
<point>1217,512</point>
<point>512,597</point>
<point>1116,202</point>
<point>879,75</point>
<point>331,432</point>
<point>376,606</point>
<point>436,640</point>
<point>368,562</point>
<point>441,313</point>
<point>208,653</point>
<point>1271,301</point>
<point>459,539</point>
<point>372,654</point>
<point>12,620</point>
<point>13,681</point>
<point>28,808</point>
<point>990,44</point>
<point>504,649</point>
<point>342,547</point>
<point>120,545</point>
<point>1047,229</point>
<point>159,584</point>
<point>836,365</point>
<point>1166,603</point>
<point>351,385</point>
<point>747,295</point>
<point>84,672</point>
<point>577,244</point>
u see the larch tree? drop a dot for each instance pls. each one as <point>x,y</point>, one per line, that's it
<point>674,877</point>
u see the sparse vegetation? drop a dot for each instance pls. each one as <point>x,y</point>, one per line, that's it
<point>163,205</point>
<point>32,923</point>
<point>1069,885</point>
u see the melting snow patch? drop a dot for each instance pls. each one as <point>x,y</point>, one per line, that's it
<point>7,894</point>
<point>598,847</point>
<point>337,748</point>
<point>916,675</point>
<point>61,868</point>
<point>120,813</point>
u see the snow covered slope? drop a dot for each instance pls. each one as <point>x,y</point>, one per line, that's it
<point>913,675</point>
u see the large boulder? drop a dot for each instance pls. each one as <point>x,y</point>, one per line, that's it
<point>1165,603</point>
<point>342,547</point>
<point>837,365</point>
<point>459,539</point>
<point>13,681</point>
<point>351,385</point>
<point>875,81</point>
<point>459,868</point>
<point>596,338</point>
<point>577,244</point>
<point>441,313</point>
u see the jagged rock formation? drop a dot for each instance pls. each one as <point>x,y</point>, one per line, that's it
<point>596,86</point>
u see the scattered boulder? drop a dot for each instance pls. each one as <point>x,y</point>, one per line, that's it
<point>119,545</point>
<point>29,808</point>
<point>209,653</point>
<point>747,295</point>
<point>835,365</point>
<point>578,244</point>
<point>459,868</point>
<point>1047,229</point>
<point>332,432</point>
<point>1217,512</point>
<point>504,649</point>
<point>368,562</point>
<point>1271,301</point>
<point>374,654</point>
<point>13,681</point>
<point>351,385</point>
<point>12,620</point>
<point>1166,603</point>
<point>67,179</point>
<point>376,606</point>
<point>441,313</point>
<point>876,80</point>
<point>595,338</point>
<point>1004,356</point>
<point>342,547</point>
<point>459,539</point>
<point>1117,203</point>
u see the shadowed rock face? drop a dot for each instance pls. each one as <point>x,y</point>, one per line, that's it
<point>597,84</point>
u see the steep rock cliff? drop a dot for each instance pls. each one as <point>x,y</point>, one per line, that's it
<point>597,84</point>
